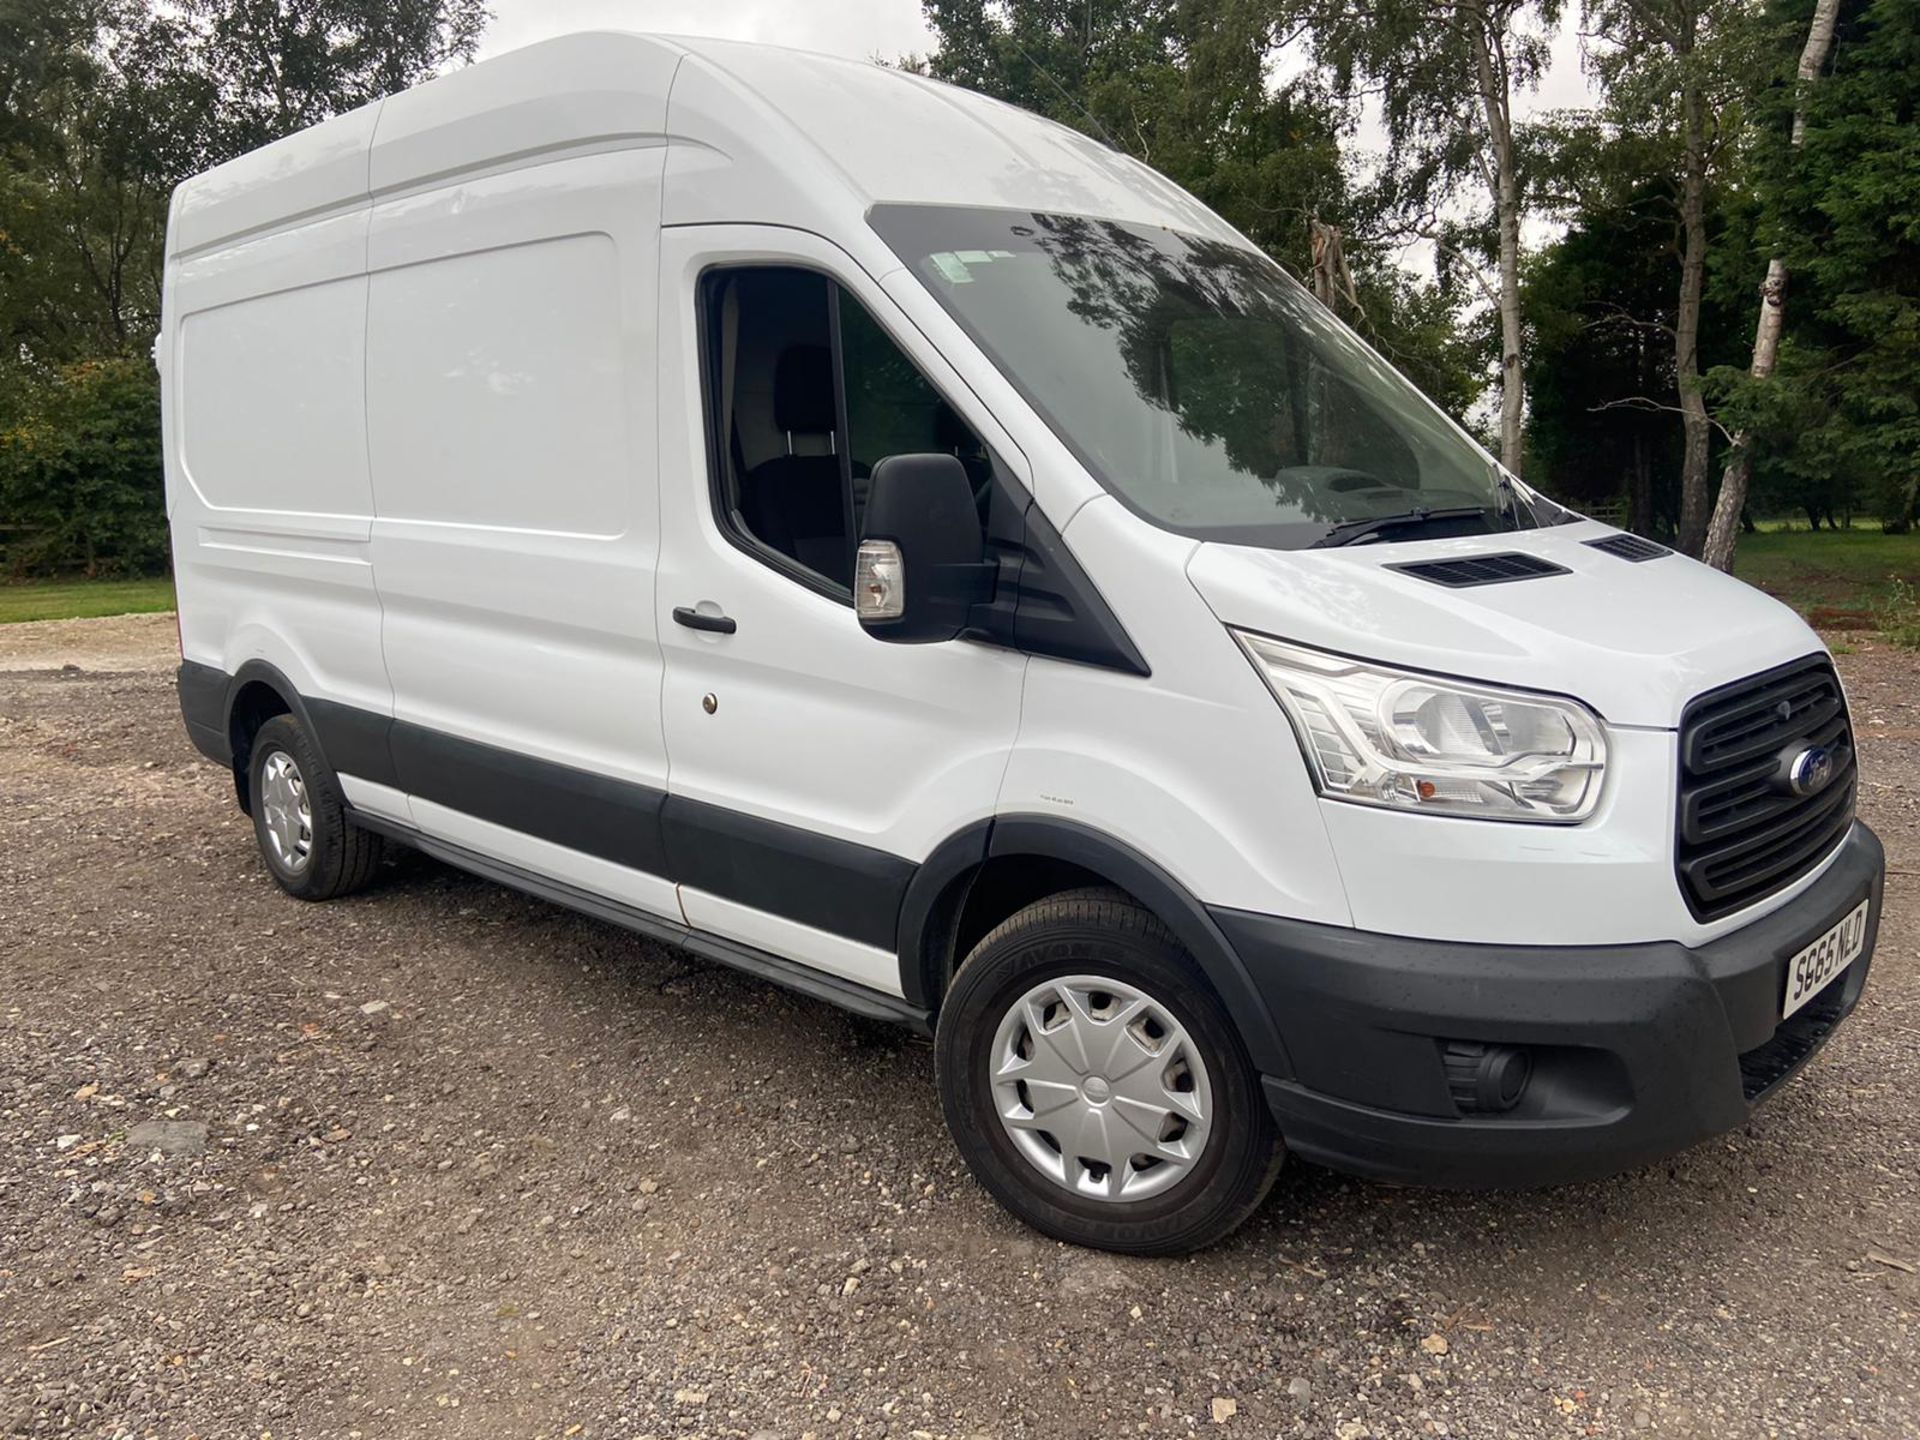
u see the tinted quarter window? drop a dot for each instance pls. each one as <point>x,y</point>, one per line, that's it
<point>892,409</point>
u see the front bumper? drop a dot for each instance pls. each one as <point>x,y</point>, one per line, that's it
<point>1637,1050</point>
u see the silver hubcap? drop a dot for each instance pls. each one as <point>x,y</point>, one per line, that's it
<point>288,821</point>
<point>1101,1089</point>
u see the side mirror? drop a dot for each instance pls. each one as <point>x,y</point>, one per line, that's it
<point>921,566</point>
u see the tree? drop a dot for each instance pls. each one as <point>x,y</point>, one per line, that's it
<point>1603,310</point>
<point>109,104</point>
<point>277,66</point>
<point>1446,73</point>
<point>1180,84</point>
<point>1598,304</point>
<point>1842,413</point>
<point>78,476</point>
<point>1183,85</point>
<point>82,204</point>
<point>1674,72</point>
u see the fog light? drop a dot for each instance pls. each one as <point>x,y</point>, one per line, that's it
<point>1486,1079</point>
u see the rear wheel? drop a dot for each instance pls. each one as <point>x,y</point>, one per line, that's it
<point>1096,1085</point>
<point>312,850</point>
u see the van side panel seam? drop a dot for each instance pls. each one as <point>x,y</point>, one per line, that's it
<point>366,435</point>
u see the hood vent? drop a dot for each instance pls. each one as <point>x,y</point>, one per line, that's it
<point>1482,570</point>
<point>1629,547</point>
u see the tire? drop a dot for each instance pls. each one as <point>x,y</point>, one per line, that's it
<point>1044,968</point>
<point>325,857</point>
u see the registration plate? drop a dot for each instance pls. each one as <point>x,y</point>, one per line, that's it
<point>1809,971</point>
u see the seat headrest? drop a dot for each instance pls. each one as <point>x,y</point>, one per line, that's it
<point>803,390</point>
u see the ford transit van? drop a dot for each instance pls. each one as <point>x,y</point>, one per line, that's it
<point>873,537</point>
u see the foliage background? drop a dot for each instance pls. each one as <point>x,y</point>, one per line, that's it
<point>105,106</point>
<point>1192,87</point>
<point>1254,105</point>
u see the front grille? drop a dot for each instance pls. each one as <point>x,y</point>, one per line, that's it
<point>1742,833</point>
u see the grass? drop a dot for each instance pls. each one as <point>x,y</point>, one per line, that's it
<point>1839,579</point>
<point>82,599</point>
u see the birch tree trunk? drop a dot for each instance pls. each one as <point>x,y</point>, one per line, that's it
<point>1495,98</point>
<point>1513,395</point>
<point>1695,426</point>
<point>1320,238</point>
<point>1724,533</point>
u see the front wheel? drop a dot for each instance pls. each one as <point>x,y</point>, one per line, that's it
<point>1096,1085</point>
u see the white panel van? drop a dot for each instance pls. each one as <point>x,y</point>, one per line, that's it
<point>873,537</point>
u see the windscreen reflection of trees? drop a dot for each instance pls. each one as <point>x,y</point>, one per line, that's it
<point>1206,336</point>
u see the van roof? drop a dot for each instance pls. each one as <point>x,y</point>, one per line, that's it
<point>755,133</point>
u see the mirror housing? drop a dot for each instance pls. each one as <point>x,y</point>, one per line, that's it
<point>921,566</point>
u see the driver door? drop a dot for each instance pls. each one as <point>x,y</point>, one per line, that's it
<point>810,767</point>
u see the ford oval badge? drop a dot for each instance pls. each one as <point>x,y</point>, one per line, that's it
<point>1812,768</point>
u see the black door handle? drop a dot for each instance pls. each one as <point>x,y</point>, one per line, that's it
<point>691,618</point>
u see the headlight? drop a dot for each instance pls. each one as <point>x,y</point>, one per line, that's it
<point>1379,736</point>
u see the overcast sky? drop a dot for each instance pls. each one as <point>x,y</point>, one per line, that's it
<point>861,29</point>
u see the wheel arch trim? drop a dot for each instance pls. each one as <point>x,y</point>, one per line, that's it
<point>261,672</point>
<point>239,758</point>
<point>941,883</point>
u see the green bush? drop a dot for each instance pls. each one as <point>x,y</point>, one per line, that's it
<point>81,484</point>
<point>1898,615</point>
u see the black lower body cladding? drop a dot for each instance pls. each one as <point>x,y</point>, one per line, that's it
<point>1634,1051</point>
<point>833,885</point>
<point>204,691</point>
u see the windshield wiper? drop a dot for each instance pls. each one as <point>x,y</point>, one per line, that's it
<point>1352,532</point>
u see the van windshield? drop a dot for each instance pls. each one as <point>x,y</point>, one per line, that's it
<point>1200,384</point>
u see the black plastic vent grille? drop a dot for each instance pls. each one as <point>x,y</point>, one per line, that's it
<point>1482,569</point>
<point>1765,1066</point>
<point>1742,834</point>
<point>1630,547</point>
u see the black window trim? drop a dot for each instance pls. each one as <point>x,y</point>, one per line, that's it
<point>726,514</point>
<point>842,428</point>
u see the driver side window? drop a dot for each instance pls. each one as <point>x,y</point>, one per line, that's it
<point>805,395</point>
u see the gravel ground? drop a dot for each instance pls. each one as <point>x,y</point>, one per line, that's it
<point>447,1161</point>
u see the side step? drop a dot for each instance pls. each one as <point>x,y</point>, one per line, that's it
<point>762,964</point>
